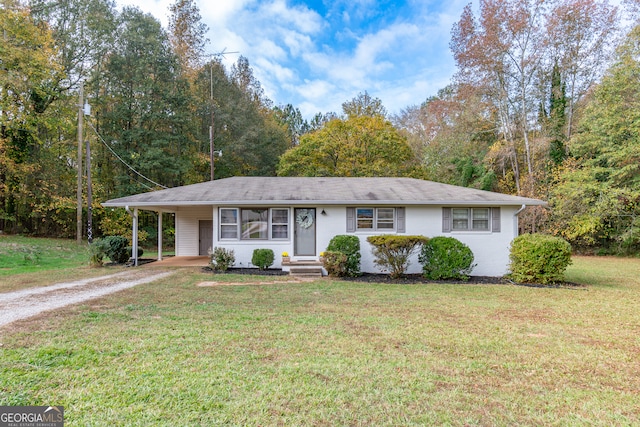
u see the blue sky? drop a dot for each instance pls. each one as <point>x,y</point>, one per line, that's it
<point>318,54</point>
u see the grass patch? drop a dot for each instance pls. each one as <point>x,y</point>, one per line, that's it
<point>29,262</point>
<point>338,353</point>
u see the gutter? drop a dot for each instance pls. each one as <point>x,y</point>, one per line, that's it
<point>518,212</point>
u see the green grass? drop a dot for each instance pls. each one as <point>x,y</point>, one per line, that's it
<point>20,254</point>
<point>338,353</point>
<point>28,262</point>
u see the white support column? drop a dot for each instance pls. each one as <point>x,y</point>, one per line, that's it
<point>160,236</point>
<point>134,245</point>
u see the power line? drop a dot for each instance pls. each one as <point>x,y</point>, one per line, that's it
<point>123,162</point>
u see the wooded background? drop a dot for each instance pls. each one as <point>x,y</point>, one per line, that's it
<point>545,103</point>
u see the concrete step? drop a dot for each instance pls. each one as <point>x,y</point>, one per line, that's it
<point>303,263</point>
<point>305,271</point>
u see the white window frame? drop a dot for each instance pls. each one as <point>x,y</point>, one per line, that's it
<point>229,224</point>
<point>273,224</point>
<point>238,224</point>
<point>471,219</point>
<point>376,221</point>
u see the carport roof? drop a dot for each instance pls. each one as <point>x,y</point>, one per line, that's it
<point>245,191</point>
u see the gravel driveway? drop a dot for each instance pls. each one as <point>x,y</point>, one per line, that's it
<point>31,302</point>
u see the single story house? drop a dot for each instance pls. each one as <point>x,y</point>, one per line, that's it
<point>300,215</point>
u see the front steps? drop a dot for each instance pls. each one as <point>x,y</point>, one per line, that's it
<point>304,268</point>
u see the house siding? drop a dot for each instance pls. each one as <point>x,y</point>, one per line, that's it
<point>188,229</point>
<point>491,249</point>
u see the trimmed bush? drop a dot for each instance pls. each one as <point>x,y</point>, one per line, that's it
<point>393,251</point>
<point>116,249</point>
<point>262,258</point>
<point>335,263</point>
<point>539,258</point>
<point>350,246</point>
<point>222,259</point>
<point>446,258</point>
<point>130,251</point>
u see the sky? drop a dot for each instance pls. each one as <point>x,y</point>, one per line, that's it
<point>318,54</point>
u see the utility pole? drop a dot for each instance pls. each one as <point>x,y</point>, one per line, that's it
<point>87,111</point>
<point>212,151</point>
<point>79,191</point>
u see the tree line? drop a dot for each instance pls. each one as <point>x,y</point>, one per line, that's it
<point>544,104</point>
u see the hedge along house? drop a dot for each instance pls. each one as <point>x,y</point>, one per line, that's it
<point>300,215</point>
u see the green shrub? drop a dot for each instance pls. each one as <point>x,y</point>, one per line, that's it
<point>539,258</point>
<point>262,258</point>
<point>98,250</point>
<point>222,259</point>
<point>335,263</point>
<point>116,249</point>
<point>393,251</point>
<point>350,246</point>
<point>130,251</point>
<point>446,258</point>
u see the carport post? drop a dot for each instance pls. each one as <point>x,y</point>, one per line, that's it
<point>159,235</point>
<point>134,249</point>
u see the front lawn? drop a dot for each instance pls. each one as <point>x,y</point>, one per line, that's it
<point>338,353</point>
<point>27,262</point>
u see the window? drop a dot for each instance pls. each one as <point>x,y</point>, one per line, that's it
<point>464,219</point>
<point>375,219</point>
<point>364,219</point>
<point>254,223</point>
<point>279,223</point>
<point>480,219</point>
<point>228,223</point>
<point>385,218</point>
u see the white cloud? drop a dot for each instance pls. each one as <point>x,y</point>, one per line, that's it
<point>318,62</point>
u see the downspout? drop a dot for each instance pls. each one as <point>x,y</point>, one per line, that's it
<point>134,239</point>
<point>518,212</point>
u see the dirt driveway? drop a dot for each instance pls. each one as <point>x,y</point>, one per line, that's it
<point>26,303</point>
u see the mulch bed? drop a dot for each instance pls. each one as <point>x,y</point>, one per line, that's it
<point>406,279</point>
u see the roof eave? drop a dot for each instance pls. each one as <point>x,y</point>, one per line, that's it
<point>173,205</point>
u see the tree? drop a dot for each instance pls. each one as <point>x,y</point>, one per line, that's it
<point>143,109</point>
<point>555,122</point>
<point>502,52</point>
<point>83,32</point>
<point>28,61</point>
<point>187,35</point>
<point>597,200</point>
<point>452,133</point>
<point>291,117</point>
<point>251,136</point>
<point>358,146</point>
<point>580,36</point>
<point>242,76</point>
<point>509,53</point>
<point>364,105</point>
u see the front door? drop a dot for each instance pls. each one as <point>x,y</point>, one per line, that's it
<point>206,236</point>
<point>304,232</point>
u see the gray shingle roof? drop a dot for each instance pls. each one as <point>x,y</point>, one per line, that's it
<point>318,191</point>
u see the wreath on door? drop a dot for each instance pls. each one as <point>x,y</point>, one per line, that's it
<point>305,218</point>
